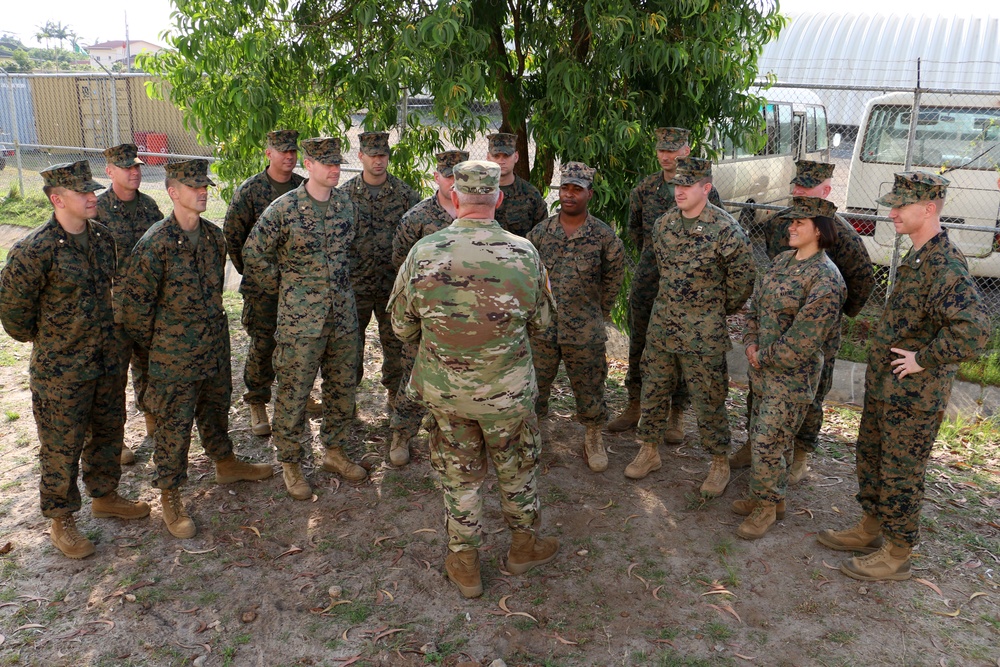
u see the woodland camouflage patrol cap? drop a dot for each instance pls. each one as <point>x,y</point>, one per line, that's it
<point>73,176</point>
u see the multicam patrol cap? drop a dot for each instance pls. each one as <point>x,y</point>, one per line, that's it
<point>810,207</point>
<point>502,142</point>
<point>73,176</point>
<point>283,140</point>
<point>325,150</point>
<point>913,186</point>
<point>374,143</point>
<point>672,138</point>
<point>123,155</point>
<point>576,173</point>
<point>690,170</point>
<point>448,160</point>
<point>809,174</point>
<point>477,177</point>
<point>193,173</point>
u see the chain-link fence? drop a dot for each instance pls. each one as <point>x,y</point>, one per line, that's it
<point>868,132</point>
<point>876,132</point>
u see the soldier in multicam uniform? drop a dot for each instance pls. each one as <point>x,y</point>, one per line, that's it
<point>794,319</point>
<point>848,253</point>
<point>298,251</point>
<point>128,213</point>
<point>431,215</point>
<point>172,305</point>
<point>653,197</point>
<point>56,292</point>
<point>381,200</point>
<point>470,295</point>
<point>706,273</point>
<point>523,206</point>
<point>935,319</point>
<point>260,309</point>
<point>585,261</point>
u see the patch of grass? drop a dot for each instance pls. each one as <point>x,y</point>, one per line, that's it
<point>717,631</point>
<point>841,637</point>
<point>29,211</point>
<point>354,613</point>
<point>11,415</point>
<point>986,369</point>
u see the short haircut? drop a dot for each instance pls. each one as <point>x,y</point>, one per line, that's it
<point>49,189</point>
<point>470,199</point>
<point>170,183</point>
<point>825,226</point>
<point>938,205</point>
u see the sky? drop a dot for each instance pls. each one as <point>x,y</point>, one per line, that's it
<point>105,21</point>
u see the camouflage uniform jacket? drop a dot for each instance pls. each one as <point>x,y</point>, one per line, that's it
<point>172,301</point>
<point>126,228</point>
<point>301,257</point>
<point>795,319</point>
<point>58,297</point>
<point>377,221</point>
<point>648,201</point>
<point>471,295</point>
<point>586,273</point>
<point>422,220</point>
<point>522,207</point>
<point>935,310</point>
<point>848,253</point>
<point>706,273</point>
<point>249,202</point>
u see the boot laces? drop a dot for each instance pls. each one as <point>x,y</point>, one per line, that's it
<point>69,529</point>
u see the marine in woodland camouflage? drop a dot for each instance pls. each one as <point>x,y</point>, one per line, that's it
<point>522,207</point>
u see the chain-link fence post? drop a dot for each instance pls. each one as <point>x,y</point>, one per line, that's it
<point>911,139</point>
<point>15,133</point>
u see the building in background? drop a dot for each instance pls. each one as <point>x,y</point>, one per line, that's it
<point>108,54</point>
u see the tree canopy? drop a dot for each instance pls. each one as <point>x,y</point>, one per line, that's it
<point>587,80</point>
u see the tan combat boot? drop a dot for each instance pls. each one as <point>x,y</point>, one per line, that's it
<point>179,522</point>
<point>114,506</point>
<point>399,450</point>
<point>527,550</point>
<point>463,570</point>
<point>747,506</point>
<point>760,520</point>
<point>150,423</point>
<point>336,461</point>
<point>593,449</point>
<point>295,482</point>
<point>675,427</point>
<point>799,469</point>
<point>231,469</point>
<point>127,457</point>
<point>645,462</point>
<point>626,420</point>
<point>314,406</point>
<point>865,537</point>
<point>741,459</point>
<point>260,424</point>
<point>891,562</point>
<point>718,477</point>
<point>68,539</point>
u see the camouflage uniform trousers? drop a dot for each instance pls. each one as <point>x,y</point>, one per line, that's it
<point>260,320</point>
<point>773,424</point>
<point>140,373</point>
<point>707,379</point>
<point>459,449</point>
<point>407,414</point>
<point>296,362</point>
<point>893,447</point>
<point>587,369</point>
<point>807,438</point>
<point>177,406</point>
<point>645,285</point>
<point>66,414</point>
<point>369,304</point>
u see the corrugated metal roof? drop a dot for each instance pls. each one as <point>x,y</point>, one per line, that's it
<point>955,52</point>
<point>879,49</point>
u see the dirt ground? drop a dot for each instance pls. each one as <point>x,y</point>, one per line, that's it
<point>647,573</point>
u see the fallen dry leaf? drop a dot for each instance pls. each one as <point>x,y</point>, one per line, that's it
<point>744,657</point>
<point>379,540</point>
<point>722,592</point>
<point>564,641</point>
<point>350,661</point>
<point>951,614</point>
<point>192,610</point>
<point>388,595</point>
<point>655,591</point>
<point>252,529</point>
<point>523,613</point>
<point>610,504</point>
<point>929,585</point>
<point>631,567</point>
<point>383,635</point>
<point>503,603</point>
<point>7,548</point>
<point>203,551</point>
<point>30,626</point>
<point>830,567</point>
<point>978,594</point>
<point>630,516</point>
<point>806,510</point>
<point>291,551</point>
<point>425,530</point>
<point>728,608</point>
